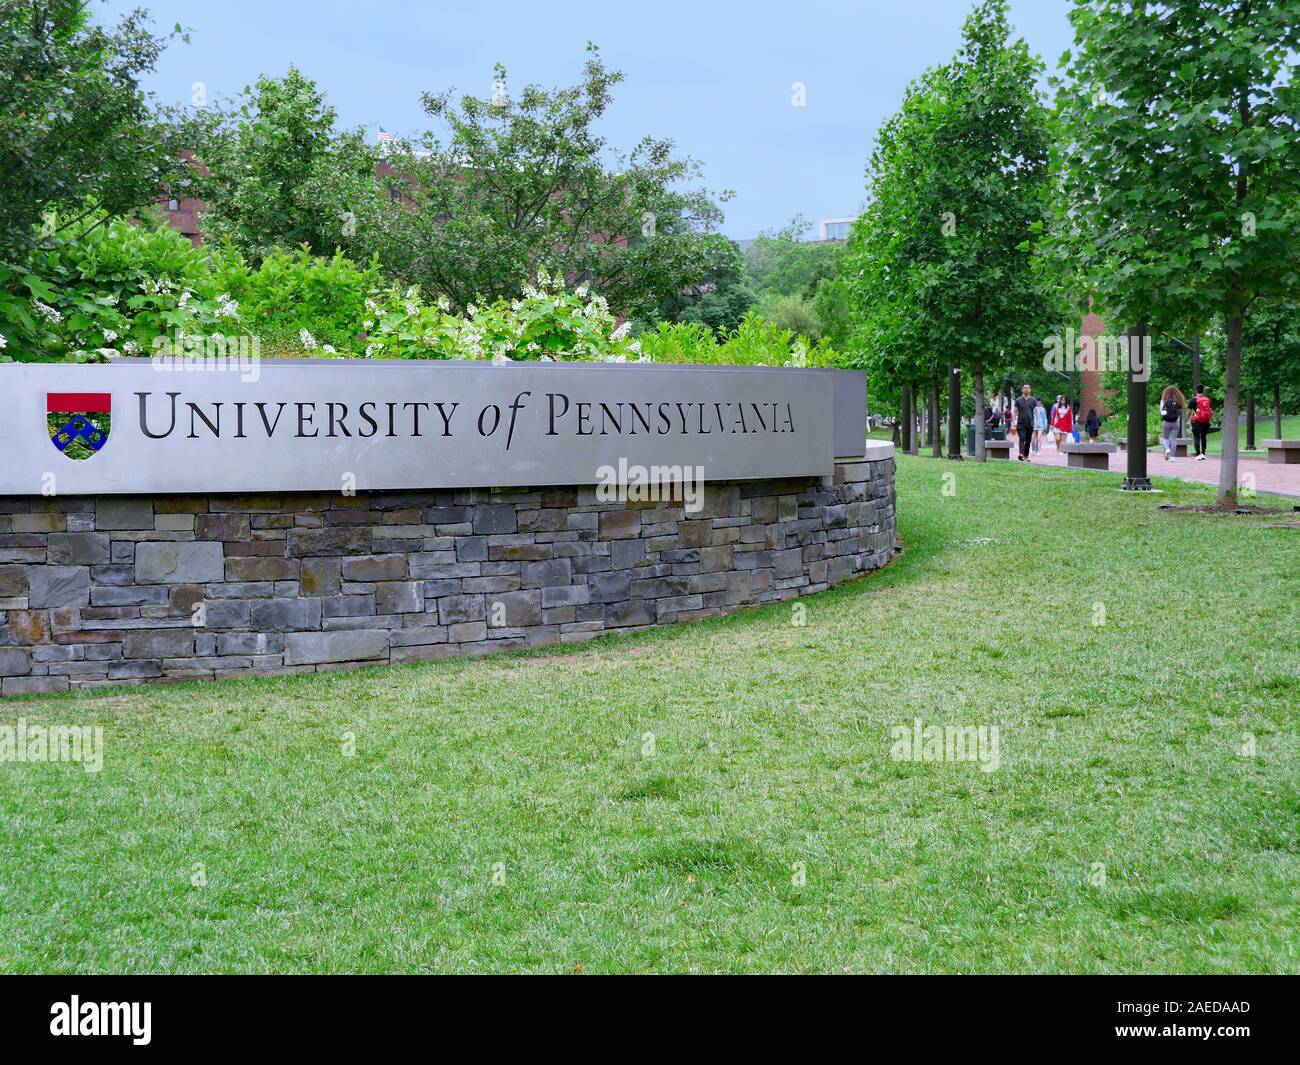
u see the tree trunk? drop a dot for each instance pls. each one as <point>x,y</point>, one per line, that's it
<point>1277,409</point>
<point>915,393</point>
<point>1250,421</point>
<point>905,420</point>
<point>936,435</point>
<point>954,413</point>
<point>1196,363</point>
<point>1231,412</point>
<point>977,383</point>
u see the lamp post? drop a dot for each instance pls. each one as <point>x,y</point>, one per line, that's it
<point>954,413</point>
<point>1136,479</point>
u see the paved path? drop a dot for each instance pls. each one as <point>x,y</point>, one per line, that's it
<point>1269,477</point>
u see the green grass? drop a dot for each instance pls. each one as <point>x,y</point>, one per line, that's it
<point>645,799</point>
<point>1263,431</point>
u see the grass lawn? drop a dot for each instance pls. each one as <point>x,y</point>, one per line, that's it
<point>640,804</point>
<point>1263,431</point>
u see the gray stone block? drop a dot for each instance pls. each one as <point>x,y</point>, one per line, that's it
<point>339,540</point>
<point>179,563</point>
<point>135,669</point>
<point>132,595</point>
<point>285,615</point>
<point>398,597</point>
<point>14,662</point>
<point>491,519</point>
<point>348,645</point>
<point>13,582</point>
<point>566,595</point>
<point>457,609</point>
<point>515,609</point>
<point>375,568</point>
<point>123,513</point>
<point>347,606</point>
<point>551,571</point>
<point>158,643</point>
<point>58,586</point>
<point>78,548</point>
<point>32,685</point>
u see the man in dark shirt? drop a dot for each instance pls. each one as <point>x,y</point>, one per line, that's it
<point>1025,404</point>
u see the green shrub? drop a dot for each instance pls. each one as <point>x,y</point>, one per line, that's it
<point>755,342</point>
<point>293,292</point>
<point>111,290</point>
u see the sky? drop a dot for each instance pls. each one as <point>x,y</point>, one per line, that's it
<point>719,79</point>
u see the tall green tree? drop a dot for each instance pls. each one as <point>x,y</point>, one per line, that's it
<point>280,174</point>
<point>783,262</point>
<point>79,138</point>
<point>523,180</point>
<point>1182,166</point>
<point>722,296</point>
<point>948,271</point>
<point>1271,356</point>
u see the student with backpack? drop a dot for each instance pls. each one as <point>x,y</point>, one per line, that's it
<point>1172,405</point>
<point>1202,413</point>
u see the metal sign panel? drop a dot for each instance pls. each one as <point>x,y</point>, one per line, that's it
<point>138,426</point>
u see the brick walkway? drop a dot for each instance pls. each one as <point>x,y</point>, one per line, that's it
<point>1269,477</point>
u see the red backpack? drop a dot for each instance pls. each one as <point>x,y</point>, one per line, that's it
<point>1203,413</point>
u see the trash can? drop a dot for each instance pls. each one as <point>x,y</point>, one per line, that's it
<point>991,432</point>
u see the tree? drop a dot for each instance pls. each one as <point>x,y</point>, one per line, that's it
<point>1182,166</point>
<point>79,138</point>
<point>960,193</point>
<point>722,297</point>
<point>279,176</point>
<point>895,344</point>
<point>523,181</point>
<point>1271,355</point>
<point>781,262</point>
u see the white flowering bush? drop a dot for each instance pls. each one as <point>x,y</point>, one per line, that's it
<point>547,322</point>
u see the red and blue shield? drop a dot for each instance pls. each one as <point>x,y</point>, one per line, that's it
<point>79,422</point>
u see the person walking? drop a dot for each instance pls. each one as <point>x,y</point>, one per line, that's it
<point>1202,413</point>
<point>1025,404</point>
<point>1040,425</point>
<point>1172,405</point>
<point>1063,422</point>
<point>1093,425</point>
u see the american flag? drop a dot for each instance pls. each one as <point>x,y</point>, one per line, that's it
<point>384,135</point>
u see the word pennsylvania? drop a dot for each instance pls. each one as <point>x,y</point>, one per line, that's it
<point>162,415</point>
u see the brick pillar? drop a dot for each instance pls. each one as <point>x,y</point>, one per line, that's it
<point>1090,391</point>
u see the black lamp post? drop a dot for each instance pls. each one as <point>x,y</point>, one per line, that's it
<point>1137,479</point>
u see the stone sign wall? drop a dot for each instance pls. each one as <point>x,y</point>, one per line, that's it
<point>108,589</point>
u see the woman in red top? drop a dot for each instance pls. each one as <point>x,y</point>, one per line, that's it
<point>1063,423</point>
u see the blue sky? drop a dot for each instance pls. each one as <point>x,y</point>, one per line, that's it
<point>714,77</point>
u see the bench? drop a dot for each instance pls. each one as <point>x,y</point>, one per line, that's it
<point>1283,451</point>
<point>1180,447</point>
<point>998,449</point>
<point>1088,456</point>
